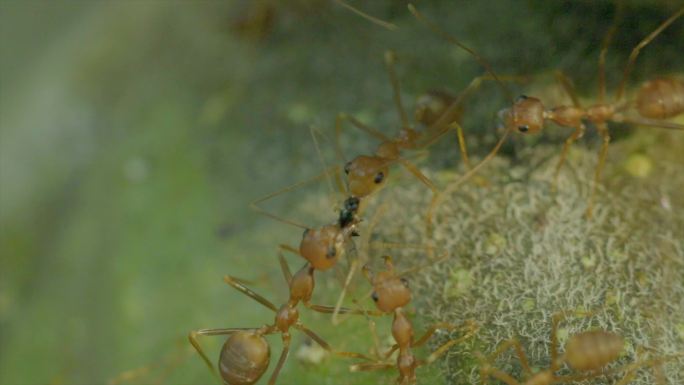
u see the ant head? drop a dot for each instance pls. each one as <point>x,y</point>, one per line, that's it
<point>322,247</point>
<point>525,116</point>
<point>366,175</point>
<point>390,291</point>
<point>244,358</point>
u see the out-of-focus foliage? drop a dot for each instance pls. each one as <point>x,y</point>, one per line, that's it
<point>134,134</point>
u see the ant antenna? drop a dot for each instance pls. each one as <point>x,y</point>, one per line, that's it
<point>607,39</point>
<point>368,17</point>
<point>484,63</point>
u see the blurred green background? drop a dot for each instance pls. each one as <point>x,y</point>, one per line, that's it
<point>134,134</point>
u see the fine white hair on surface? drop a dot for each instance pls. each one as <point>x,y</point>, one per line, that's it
<point>519,253</point>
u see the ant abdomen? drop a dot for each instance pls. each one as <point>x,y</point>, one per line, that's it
<point>244,358</point>
<point>593,350</point>
<point>661,98</point>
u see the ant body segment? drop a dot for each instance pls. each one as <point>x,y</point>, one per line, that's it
<point>655,101</point>
<point>245,355</point>
<point>588,353</point>
<point>391,294</point>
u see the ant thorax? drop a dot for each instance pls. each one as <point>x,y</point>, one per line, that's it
<point>600,113</point>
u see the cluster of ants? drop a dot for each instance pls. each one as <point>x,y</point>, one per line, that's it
<point>245,355</point>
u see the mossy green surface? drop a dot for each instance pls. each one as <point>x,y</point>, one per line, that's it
<point>133,135</point>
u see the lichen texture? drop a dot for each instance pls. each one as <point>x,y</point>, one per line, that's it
<point>519,253</point>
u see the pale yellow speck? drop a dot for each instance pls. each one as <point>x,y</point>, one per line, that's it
<point>638,165</point>
<point>495,244</point>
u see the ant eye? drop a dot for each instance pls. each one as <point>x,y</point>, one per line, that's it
<point>379,177</point>
<point>374,296</point>
<point>405,282</point>
<point>521,98</point>
<point>523,128</point>
<point>347,167</point>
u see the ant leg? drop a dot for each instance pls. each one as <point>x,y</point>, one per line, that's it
<point>194,341</point>
<point>579,131</point>
<point>367,367</point>
<point>619,7</point>
<point>566,85</point>
<point>289,248</point>
<point>320,341</point>
<point>287,274</point>
<point>374,132</point>
<point>603,130</point>
<point>522,357</point>
<point>635,52</point>
<point>341,310</point>
<point>651,123</point>
<point>469,325</point>
<point>472,329</point>
<point>390,59</point>
<point>368,17</point>
<point>315,132</point>
<point>410,167</point>
<point>630,369</point>
<point>338,305</point>
<point>498,374</point>
<point>234,282</point>
<point>170,362</point>
<point>462,144</point>
<point>374,220</point>
<point>282,359</point>
<point>437,199</point>
<point>438,31</point>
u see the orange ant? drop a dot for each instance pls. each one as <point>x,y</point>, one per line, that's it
<point>655,101</point>
<point>586,352</point>
<point>366,174</point>
<point>391,294</point>
<point>245,355</point>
